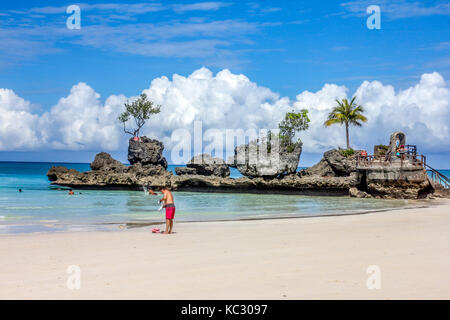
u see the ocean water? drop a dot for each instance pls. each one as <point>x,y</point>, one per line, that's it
<point>41,207</point>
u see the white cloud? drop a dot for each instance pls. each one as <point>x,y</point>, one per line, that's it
<point>317,138</point>
<point>80,121</point>
<point>135,8</point>
<point>200,6</point>
<point>221,101</point>
<point>225,100</point>
<point>18,126</point>
<point>422,112</point>
<point>398,9</point>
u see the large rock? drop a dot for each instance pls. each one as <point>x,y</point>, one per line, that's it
<point>205,165</point>
<point>335,174</point>
<point>341,165</point>
<point>104,161</point>
<point>137,176</point>
<point>146,151</point>
<point>140,170</point>
<point>108,173</point>
<point>404,181</point>
<point>253,160</point>
<point>133,178</point>
<point>291,183</point>
<point>322,169</point>
<point>333,164</point>
<point>57,172</point>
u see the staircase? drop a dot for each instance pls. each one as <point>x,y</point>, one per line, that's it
<point>438,179</point>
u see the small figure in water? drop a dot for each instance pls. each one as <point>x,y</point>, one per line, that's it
<point>71,192</point>
<point>20,190</point>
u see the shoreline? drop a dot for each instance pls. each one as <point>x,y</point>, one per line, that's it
<point>357,213</point>
<point>126,225</point>
<point>315,258</point>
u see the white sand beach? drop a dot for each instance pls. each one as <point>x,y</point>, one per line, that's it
<point>307,258</point>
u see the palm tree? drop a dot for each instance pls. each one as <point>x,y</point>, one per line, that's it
<point>347,112</point>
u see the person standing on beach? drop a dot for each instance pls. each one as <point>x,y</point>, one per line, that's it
<point>169,204</point>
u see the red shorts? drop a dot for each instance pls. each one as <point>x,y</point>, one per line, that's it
<point>170,212</point>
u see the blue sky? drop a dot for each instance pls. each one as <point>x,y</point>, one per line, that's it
<point>286,46</point>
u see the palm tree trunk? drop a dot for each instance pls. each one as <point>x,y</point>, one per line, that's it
<point>346,132</point>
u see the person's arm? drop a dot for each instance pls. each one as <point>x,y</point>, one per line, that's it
<point>150,191</point>
<point>163,199</point>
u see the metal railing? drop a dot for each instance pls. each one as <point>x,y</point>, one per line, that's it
<point>437,177</point>
<point>414,159</point>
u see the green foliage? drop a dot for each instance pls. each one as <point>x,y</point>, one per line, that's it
<point>140,110</point>
<point>347,152</point>
<point>291,147</point>
<point>381,149</point>
<point>292,123</point>
<point>348,113</point>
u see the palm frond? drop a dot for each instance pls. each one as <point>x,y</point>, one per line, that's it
<point>346,112</point>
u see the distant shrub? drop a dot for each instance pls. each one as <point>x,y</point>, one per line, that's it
<point>380,149</point>
<point>347,152</point>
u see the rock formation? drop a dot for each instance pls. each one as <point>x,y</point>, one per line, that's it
<point>291,184</point>
<point>404,181</point>
<point>146,151</point>
<point>205,165</point>
<point>211,174</point>
<point>380,179</point>
<point>148,167</point>
<point>104,161</point>
<point>108,173</point>
<point>334,174</point>
<point>333,164</point>
<point>254,160</point>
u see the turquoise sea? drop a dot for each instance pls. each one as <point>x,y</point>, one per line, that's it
<point>41,207</point>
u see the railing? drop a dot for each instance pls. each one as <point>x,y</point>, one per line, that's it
<point>414,159</point>
<point>437,177</point>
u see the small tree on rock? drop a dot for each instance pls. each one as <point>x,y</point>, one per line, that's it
<point>292,123</point>
<point>140,110</point>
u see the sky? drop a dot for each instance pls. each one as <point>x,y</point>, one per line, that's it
<point>228,64</point>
